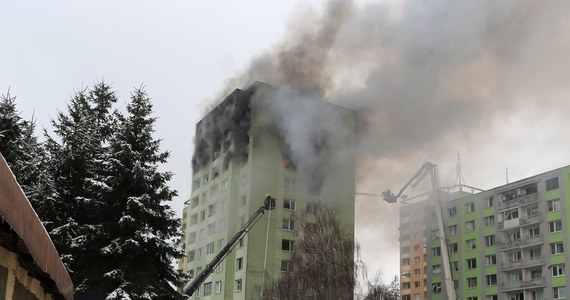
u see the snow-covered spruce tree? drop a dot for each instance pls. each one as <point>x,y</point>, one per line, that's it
<point>20,147</point>
<point>142,228</point>
<point>77,163</point>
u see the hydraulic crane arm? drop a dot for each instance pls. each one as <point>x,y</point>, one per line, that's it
<point>427,168</point>
<point>268,204</point>
<point>430,168</point>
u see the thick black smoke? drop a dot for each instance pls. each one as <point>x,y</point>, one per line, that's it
<point>427,78</point>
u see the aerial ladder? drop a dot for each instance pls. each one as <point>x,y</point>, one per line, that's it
<point>268,204</point>
<point>431,169</point>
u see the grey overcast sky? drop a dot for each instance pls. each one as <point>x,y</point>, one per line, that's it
<point>492,77</point>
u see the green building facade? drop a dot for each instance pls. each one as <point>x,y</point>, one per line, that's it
<point>246,159</point>
<point>508,243</point>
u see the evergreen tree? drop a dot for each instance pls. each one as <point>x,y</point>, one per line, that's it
<point>141,227</point>
<point>11,128</point>
<point>77,161</point>
<point>20,147</point>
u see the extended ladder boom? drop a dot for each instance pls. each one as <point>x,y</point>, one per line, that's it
<point>430,168</point>
<point>268,204</point>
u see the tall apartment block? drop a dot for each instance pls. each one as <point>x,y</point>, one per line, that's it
<point>258,141</point>
<point>510,242</point>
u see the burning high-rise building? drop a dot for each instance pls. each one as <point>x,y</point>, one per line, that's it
<point>258,141</point>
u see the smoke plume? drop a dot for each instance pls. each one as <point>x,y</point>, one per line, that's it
<point>428,79</point>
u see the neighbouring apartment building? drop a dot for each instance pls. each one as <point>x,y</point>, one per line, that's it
<point>510,242</point>
<point>258,141</point>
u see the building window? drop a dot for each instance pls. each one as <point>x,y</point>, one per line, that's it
<point>211,210</point>
<point>469,226</point>
<point>210,248</point>
<point>536,274</point>
<point>225,184</point>
<point>454,266</point>
<point>489,202</point>
<point>197,292</point>
<point>491,279</point>
<point>200,252</point>
<point>405,285</point>
<point>559,292</point>
<point>436,269</point>
<point>290,184</point>
<point>195,184</point>
<point>453,230</point>
<point>242,201</point>
<point>436,287</point>
<point>515,256</point>
<point>416,260</point>
<point>557,270</point>
<point>287,245</point>
<point>286,266</point>
<point>471,282</point>
<point>207,289</point>
<point>239,263</point>
<point>492,297</point>
<point>514,236</point>
<point>289,204</point>
<point>555,226</point>
<point>288,224</point>
<point>194,219</point>
<point>469,207</point>
<point>238,285</point>
<point>192,237</point>
<point>194,202</point>
<point>203,215</point>
<point>405,250</point>
<point>534,232</point>
<point>405,261</point>
<point>556,248</point>
<point>471,298</point>
<point>511,214</point>
<point>453,248</point>
<point>471,263</point>
<point>436,251</point>
<point>406,297</point>
<point>554,205</point>
<point>417,272</point>
<point>490,260</point>
<point>211,228</point>
<point>218,287</point>
<point>452,212</point>
<point>535,253</point>
<point>470,244</point>
<point>489,221</point>
<point>191,256</point>
<point>240,244</point>
<point>417,284</point>
<point>490,240</point>
<point>220,267</point>
<point>552,184</point>
<point>311,208</point>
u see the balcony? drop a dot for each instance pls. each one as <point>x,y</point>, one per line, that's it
<point>527,242</point>
<point>522,200</point>
<point>523,284</point>
<point>526,263</point>
<point>527,220</point>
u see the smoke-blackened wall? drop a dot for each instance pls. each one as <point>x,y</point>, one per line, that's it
<point>313,133</point>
